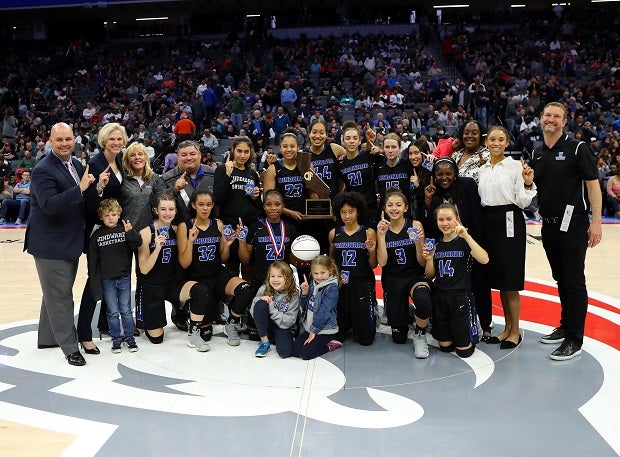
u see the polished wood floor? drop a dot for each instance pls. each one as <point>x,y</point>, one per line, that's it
<point>20,297</point>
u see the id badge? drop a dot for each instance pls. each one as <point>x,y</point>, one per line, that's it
<point>510,224</point>
<point>568,214</point>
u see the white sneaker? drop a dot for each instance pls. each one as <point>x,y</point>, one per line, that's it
<point>18,221</point>
<point>420,346</point>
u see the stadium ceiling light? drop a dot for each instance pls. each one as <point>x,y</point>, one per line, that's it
<point>604,1</point>
<point>163,18</point>
<point>437,7</point>
<point>252,15</point>
<point>517,6</point>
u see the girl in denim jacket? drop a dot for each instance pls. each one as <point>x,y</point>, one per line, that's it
<point>319,301</point>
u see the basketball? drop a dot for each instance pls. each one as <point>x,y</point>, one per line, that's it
<point>305,247</point>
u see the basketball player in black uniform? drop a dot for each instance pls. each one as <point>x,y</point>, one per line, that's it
<point>357,171</point>
<point>450,264</point>
<point>399,251</point>
<point>353,248</point>
<point>394,172</point>
<point>203,245</point>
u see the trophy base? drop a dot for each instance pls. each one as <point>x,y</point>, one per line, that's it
<point>318,209</point>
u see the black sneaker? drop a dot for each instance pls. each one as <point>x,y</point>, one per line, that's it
<point>555,337</point>
<point>567,350</point>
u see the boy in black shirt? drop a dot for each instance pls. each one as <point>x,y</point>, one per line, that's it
<point>109,266</point>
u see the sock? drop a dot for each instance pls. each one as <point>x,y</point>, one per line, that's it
<point>233,320</point>
<point>193,325</point>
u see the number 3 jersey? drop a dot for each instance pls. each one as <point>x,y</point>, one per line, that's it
<point>401,251</point>
<point>453,263</point>
<point>352,255</point>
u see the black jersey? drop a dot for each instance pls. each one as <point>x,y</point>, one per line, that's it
<point>358,176</point>
<point>326,166</point>
<point>206,259</point>
<point>166,269</point>
<point>393,177</point>
<point>401,251</point>
<point>290,184</point>
<point>352,255</point>
<point>264,252</point>
<point>231,197</point>
<point>453,262</point>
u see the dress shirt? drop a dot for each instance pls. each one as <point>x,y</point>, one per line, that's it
<point>503,184</point>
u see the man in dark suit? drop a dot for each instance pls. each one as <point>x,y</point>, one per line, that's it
<point>55,238</point>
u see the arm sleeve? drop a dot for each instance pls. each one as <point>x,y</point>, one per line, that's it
<point>221,185</point>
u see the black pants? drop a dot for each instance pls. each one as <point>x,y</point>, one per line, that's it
<point>566,252</point>
<point>356,310</point>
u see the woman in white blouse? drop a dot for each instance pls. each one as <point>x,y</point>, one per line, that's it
<point>506,187</point>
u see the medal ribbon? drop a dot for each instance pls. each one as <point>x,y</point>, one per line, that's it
<point>273,238</point>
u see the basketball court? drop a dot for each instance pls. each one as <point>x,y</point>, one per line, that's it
<point>363,401</point>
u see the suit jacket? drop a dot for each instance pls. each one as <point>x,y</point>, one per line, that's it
<point>205,182</point>
<point>56,223</point>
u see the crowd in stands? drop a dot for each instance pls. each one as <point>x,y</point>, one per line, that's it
<point>258,86</point>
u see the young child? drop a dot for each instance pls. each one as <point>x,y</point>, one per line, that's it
<point>109,268</point>
<point>353,248</point>
<point>275,310</point>
<point>450,263</point>
<point>319,301</point>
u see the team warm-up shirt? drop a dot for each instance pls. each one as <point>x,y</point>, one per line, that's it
<point>231,197</point>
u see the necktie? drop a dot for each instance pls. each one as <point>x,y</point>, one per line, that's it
<point>73,172</point>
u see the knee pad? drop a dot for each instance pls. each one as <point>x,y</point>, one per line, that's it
<point>399,334</point>
<point>154,339</point>
<point>464,353</point>
<point>199,296</point>
<point>422,300</point>
<point>450,348</point>
<point>242,298</point>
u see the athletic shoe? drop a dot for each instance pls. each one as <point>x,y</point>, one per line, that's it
<point>232,332</point>
<point>567,350</point>
<point>194,340</point>
<point>116,348</point>
<point>18,221</point>
<point>555,337</point>
<point>263,349</point>
<point>420,346</point>
<point>384,319</point>
<point>2,221</point>
<point>132,346</point>
<point>333,345</point>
